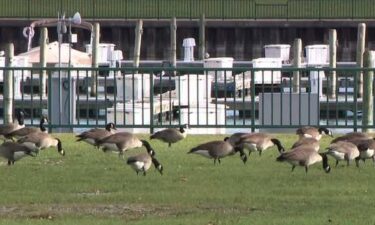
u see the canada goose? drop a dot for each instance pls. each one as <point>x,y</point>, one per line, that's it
<point>142,162</point>
<point>304,156</point>
<point>28,130</point>
<point>313,132</point>
<point>259,142</point>
<point>171,135</point>
<point>39,141</point>
<point>343,150</point>
<point>13,151</point>
<point>121,142</point>
<point>92,135</point>
<point>234,138</point>
<point>353,136</point>
<point>307,141</point>
<point>7,128</point>
<point>217,150</point>
<point>366,149</point>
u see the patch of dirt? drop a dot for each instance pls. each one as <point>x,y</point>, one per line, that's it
<point>125,211</point>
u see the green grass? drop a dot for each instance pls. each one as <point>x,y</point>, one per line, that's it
<point>90,187</point>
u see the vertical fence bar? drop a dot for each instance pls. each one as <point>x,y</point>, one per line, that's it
<point>332,61</point>
<point>202,37</point>
<point>8,84</point>
<point>361,36</point>
<point>95,59</point>
<point>252,88</point>
<point>297,54</point>
<point>368,99</point>
<point>355,97</point>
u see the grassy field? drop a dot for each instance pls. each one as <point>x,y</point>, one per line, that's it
<point>91,187</point>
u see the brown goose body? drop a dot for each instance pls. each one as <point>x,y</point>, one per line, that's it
<point>366,148</point>
<point>235,138</point>
<point>343,151</point>
<point>259,142</point>
<point>313,132</point>
<point>121,142</point>
<point>93,135</point>
<point>352,137</point>
<point>312,142</point>
<point>170,135</point>
<point>5,129</point>
<point>217,150</point>
<point>143,161</point>
<point>13,151</point>
<point>39,141</point>
<point>28,130</point>
<point>304,156</point>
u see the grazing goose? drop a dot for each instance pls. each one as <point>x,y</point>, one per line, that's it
<point>28,130</point>
<point>304,156</point>
<point>217,150</point>
<point>13,151</point>
<point>353,136</point>
<point>121,142</point>
<point>343,150</point>
<point>171,135</point>
<point>308,142</point>
<point>234,138</point>
<point>93,135</point>
<point>7,128</point>
<point>142,162</point>
<point>313,132</point>
<point>366,149</point>
<point>39,141</point>
<point>259,142</point>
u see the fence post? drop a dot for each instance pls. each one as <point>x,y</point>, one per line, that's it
<point>8,84</point>
<point>95,57</point>
<point>359,57</point>
<point>138,41</point>
<point>368,98</point>
<point>173,54</point>
<point>202,37</point>
<point>332,62</point>
<point>42,60</point>
<point>297,53</point>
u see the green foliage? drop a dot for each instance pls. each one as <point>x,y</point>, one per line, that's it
<point>88,186</point>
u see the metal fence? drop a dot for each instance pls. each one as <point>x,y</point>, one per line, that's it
<point>213,99</point>
<point>191,9</point>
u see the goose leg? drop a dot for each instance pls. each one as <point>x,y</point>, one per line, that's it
<point>337,162</point>
<point>144,172</point>
<point>357,162</point>
<point>293,167</point>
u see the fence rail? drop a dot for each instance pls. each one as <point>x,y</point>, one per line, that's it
<point>212,99</point>
<point>191,9</point>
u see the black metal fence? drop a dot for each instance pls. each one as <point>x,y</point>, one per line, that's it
<point>213,99</point>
